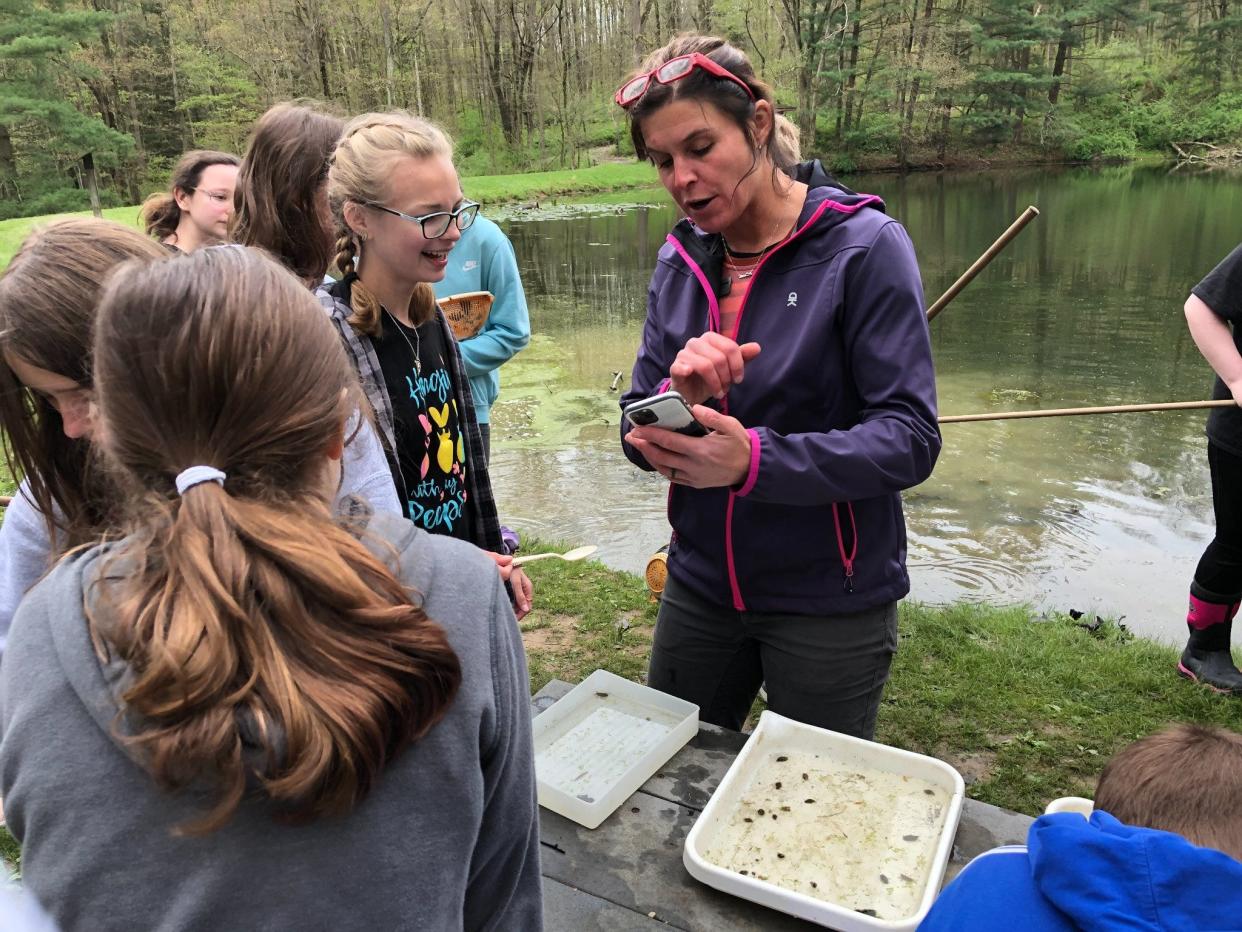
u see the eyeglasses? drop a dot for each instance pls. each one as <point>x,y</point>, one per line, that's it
<point>436,225</point>
<point>674,70</point>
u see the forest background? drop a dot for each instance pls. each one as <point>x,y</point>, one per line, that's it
<point>527,84</point>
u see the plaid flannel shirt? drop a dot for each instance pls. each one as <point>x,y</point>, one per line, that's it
<point>480,503</point>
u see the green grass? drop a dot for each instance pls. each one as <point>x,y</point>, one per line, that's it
<point>1028,708</point>
<point>530,186</point>
<point>489,189</point>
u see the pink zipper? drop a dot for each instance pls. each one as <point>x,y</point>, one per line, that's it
<point>713,313</point>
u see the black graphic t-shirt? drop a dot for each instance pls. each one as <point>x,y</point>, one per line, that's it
<point>430,446</point>
<point>1221,290</point>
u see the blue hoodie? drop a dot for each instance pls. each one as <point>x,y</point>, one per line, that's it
<point>483,260</point>
<point>1097,875</point>
<point>840,406</point>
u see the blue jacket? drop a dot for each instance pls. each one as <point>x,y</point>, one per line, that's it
<point>1101,876</point>
<point>483,260</point>
<point>840,405</point>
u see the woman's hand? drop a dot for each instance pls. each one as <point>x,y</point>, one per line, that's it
<point>504,563</point>
<point>523,592</point>
<point>722,458</point>
<point>518,581</point>
<point>708,366</point>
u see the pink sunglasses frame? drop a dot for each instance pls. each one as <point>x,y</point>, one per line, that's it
<point>696,59</point>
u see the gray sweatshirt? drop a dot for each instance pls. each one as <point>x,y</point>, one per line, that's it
<point>447,839</point>
<point>26,551</point>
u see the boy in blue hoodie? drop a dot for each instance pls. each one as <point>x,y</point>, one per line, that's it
<point>1159,853</point>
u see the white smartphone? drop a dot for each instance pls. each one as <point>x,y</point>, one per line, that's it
<point>667,410</point>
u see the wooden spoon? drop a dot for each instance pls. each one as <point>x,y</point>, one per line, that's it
<point>578,553</point>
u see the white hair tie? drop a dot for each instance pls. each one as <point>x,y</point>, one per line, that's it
<point>197,475</point>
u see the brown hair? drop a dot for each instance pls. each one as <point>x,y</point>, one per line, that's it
<point>48,296</point>
<point>268,645</point>
<point>781,146</point>
<point>359,172</point>
<point>1185,779</point>
<point>160,213</point>
<point>281,185</point>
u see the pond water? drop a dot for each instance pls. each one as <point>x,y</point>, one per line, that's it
<point>1101,514</point>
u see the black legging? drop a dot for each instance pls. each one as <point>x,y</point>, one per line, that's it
<point>1220,568</point>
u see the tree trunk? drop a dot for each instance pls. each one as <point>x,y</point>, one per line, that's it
<point>912,99</point>
<point>385,15</point>
<point>1058,68</point>
<point>8,165</point>
<point>92,182</point>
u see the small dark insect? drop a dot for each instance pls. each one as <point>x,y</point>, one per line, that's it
<point>774,817</point>
<point>744,873</point>
<point>778,784</point>
<point>761,812</point>
<point>930,792</point>
<point>804,776</point>
<point>884,878</point>
<point>781,856</point>
<point>602,695</point>
<point>782,759</point>
<point>748,819</point>
<point>814,885</point>
<point>808,801</point>
<point>784,808</point>
<point>906,878</point>
<point>633,809</point>
<point>909,837</point>
<point>867,912</point>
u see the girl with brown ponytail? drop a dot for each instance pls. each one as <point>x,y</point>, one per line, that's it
<point>398,208</point>
<point>259,703</point>
<point>196,208</point>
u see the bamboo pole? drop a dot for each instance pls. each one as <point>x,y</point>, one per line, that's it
<point>981,263</point>
<point>1071,412</point>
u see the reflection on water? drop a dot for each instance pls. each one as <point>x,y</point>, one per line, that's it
<point>1105,514</point>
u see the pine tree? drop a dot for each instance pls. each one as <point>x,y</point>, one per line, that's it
<point>42,133</point>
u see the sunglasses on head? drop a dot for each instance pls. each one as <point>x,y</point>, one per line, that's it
<point>674,70</point>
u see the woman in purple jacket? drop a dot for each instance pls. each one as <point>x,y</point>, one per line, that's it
<point>789,312</point>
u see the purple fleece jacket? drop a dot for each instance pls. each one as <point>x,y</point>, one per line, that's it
<point>840,405</point>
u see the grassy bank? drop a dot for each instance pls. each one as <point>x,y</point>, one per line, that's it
<point>1027,707</point>
<point>489,189</point>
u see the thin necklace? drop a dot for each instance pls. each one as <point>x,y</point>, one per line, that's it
<point>414,347</point>
<point>742,272</point>
<point>758,257</point>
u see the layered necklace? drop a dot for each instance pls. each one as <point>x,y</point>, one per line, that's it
<point>414,347</point>
<point>739,266</point>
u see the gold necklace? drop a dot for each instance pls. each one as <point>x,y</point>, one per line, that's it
<point>750,270</point>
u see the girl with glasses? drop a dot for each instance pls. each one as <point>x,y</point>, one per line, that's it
<point>398,208</point>
<point>196,209</point>
<point>263,702</point>
<point>789,311</point>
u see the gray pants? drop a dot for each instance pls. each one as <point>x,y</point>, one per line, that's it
<point>825,670</point>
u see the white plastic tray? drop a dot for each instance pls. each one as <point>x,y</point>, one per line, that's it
<point>602,740</point>
<point>750,777</point>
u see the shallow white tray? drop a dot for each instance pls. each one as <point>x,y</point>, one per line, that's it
<point>603,740</point>
<point>777,735</point>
